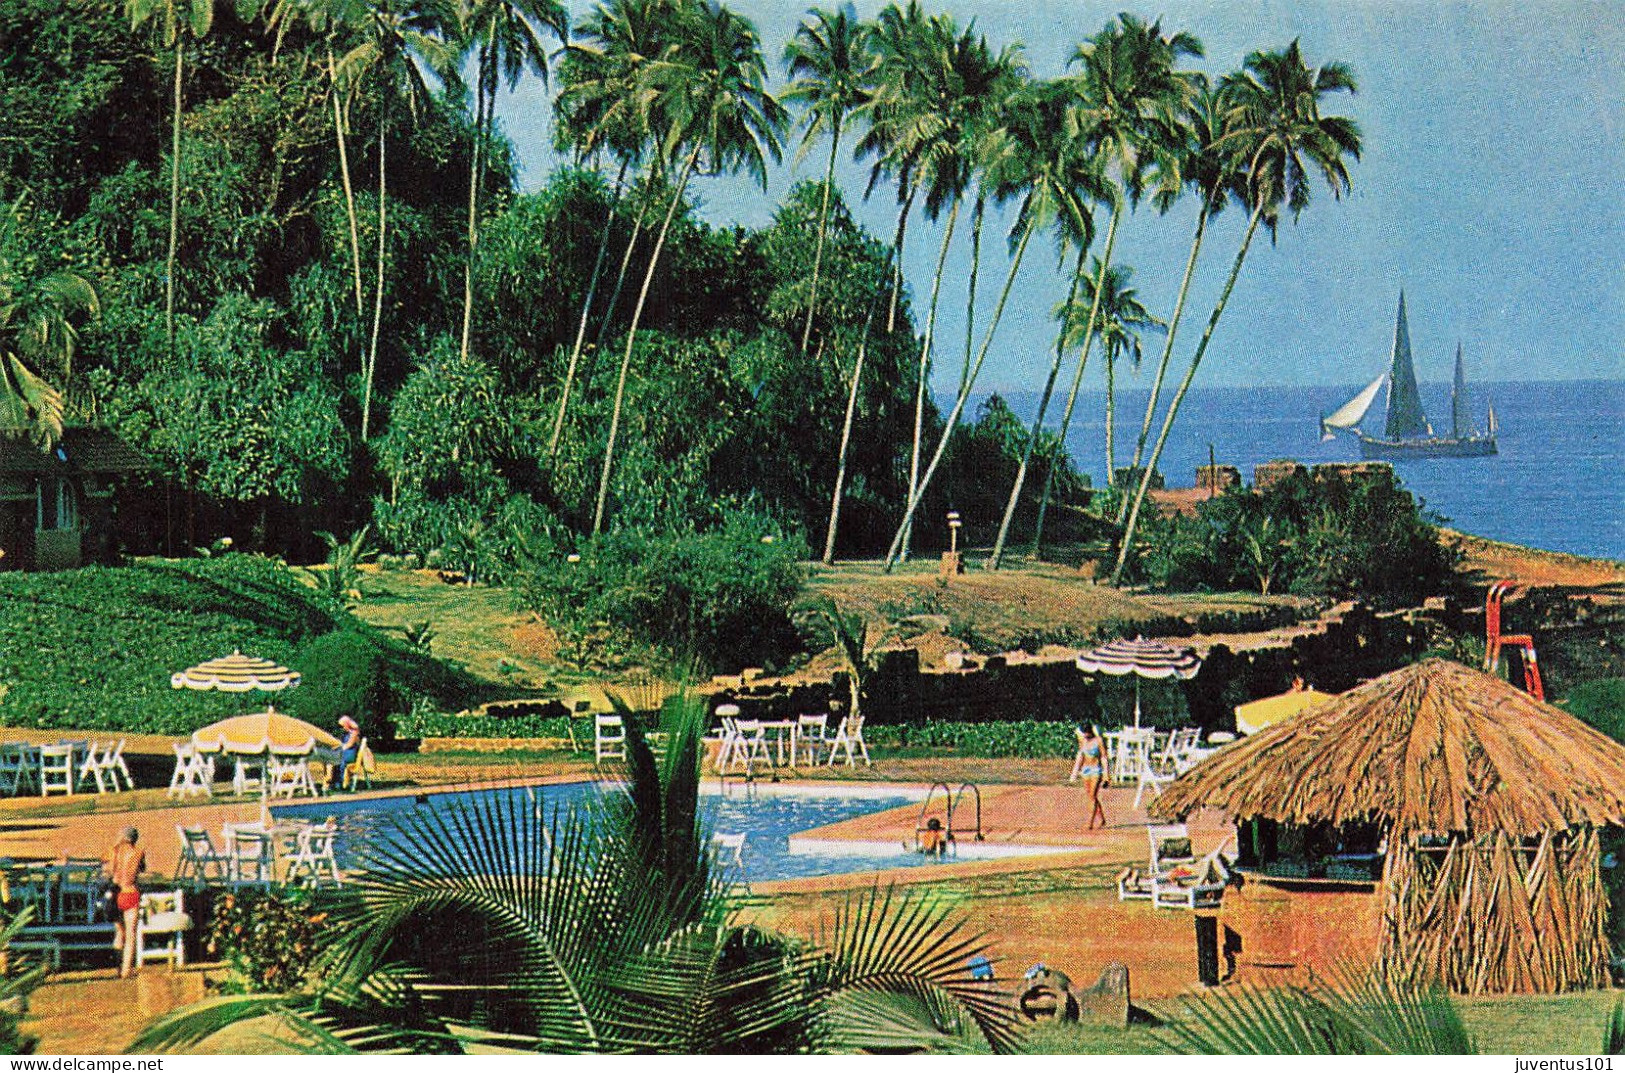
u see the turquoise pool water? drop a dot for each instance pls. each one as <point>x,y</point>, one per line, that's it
<point>768,816</point>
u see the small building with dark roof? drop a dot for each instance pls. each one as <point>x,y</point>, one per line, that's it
<point>56,505</point>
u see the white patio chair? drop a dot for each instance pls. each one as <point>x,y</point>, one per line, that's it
<point>849,736</point>
<point>17,766</point>
<point>810,731</point>
<point>249,859</point>
<point>55,769</point>
<point>1153,777</point>
<point>113,766</point>
<point>313,855</point>
<point>730,850</point>
<point>162,917</point>
<point>1170,847</point>
<point>727,734</point>
<point>199,859</point>
<point>288,775</point>
<point>248,774</point>
<point>192,773</point>
<point>750,745</point>
<point>90,769</point>
<point>608,738</point>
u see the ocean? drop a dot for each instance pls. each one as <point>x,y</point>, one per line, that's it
<point>1558,483</point>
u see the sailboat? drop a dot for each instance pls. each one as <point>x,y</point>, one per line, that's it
<point>1407,432</point>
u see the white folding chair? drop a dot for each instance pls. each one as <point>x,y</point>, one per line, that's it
<point>608,738</point>
<point>313,855</point>
<point>90,769</point>
<point>249,774</point>
<point>55,769</point>
<point>727,734</point>
<point>192,774</point>
<point>810,731</point>
<point>249,854</point>
<point>162,917</point>
<point>750,745</point>
<point>849,736</point>
<point>114,767</point>
<point>16,767</point>
<point>288,775</point>
<point>199,859</point>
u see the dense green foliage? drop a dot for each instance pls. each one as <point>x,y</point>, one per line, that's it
<point>266,936</point>
<point>1602,704</point>
<point>94,648</point>
<point>1028,738</point>
<point>345,673</point>
<point>1332,534</point>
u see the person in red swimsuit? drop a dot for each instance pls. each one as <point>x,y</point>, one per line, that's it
<point>123,864</point>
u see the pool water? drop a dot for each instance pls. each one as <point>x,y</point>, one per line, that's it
<point>767,815</point>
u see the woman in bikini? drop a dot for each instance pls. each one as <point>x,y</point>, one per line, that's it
<point>124,864</point>
<point>1093,772</point>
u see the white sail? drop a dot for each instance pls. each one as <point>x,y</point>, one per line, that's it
<point>1349,414</point>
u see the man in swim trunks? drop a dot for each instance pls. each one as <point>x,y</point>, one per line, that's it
<point>124,862</point>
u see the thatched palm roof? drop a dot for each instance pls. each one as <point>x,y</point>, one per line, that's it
<point>1432,748</point>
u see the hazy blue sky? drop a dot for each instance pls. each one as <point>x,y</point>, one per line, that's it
<point>1491,190</point>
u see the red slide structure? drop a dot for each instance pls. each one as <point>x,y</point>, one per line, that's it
<point>1495,641</point>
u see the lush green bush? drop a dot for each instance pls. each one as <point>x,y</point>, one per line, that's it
<point>435,724</point>
<point>267,937</point>
<point>1027,738</point>
<point>710,600</point>
<point>1601,704</point>
<point>1330,534</point>
<point>345,674</point>
<point>94,649</point>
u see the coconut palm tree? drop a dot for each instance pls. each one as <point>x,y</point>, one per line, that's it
<point>37,333</point>
<point>177,19</point>
<point>602,109</point>
<point>710,91</point>
<point>506,39</point>
<point>394,38</point>
<point>1120,318</point>
<point>831,69</point>
<point>607,928</point>
<point>1128,94</point>
<point>1045,175</point>
<point>1275,129</point>
<point>1208,170</point>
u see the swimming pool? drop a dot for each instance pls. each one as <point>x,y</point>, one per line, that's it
<point>771,817</point>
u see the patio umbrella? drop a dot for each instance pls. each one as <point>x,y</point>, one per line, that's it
<point>236,673</point>
<point>259,733</point>
<point>1143,659</point>
<point>1258,714</point>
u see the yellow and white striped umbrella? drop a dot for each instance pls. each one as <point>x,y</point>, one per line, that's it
<point>236,673</point>
<point>262,732</point>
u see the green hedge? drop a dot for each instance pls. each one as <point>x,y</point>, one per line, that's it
<point>1027,738</point>
<point>428,724</point>
<point>93,649</point>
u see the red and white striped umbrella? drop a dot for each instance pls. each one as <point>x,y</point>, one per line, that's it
<point>236,673</point>
<point>1143,659</point>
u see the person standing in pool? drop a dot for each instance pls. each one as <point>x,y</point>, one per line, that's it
<point>1093,772</point>
<point>124,864</point>
<point>349,745</point>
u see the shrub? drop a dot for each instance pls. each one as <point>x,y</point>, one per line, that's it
<point>344,674</point>
<point>1601,704</point>
<point>267,937</point>
<point>1028,738</point>
<point>424,722</point>
<point>709,600</point>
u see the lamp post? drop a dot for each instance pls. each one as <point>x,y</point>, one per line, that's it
<point>951,561</point>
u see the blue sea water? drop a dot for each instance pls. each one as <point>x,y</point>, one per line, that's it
<point>1558,483</point>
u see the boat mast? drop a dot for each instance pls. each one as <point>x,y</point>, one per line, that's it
<point>1406,419</point>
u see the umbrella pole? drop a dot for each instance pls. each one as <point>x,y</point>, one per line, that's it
<point>1136,702</point>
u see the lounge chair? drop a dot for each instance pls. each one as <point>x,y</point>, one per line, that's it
<point>1170,849</point>
<point>1199,885</point>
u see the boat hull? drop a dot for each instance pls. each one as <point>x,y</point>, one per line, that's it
<point>1372,448</point>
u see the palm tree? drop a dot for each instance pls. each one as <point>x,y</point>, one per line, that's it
<point>607,929</point>
<point>394,38</point>
<point>1128,94</point>
<point>832,70</point>
<point>846,422</point>
<point>1046,175</point>
<point>176,19</point>
<point>1207,169</point>
<point>710,91</point>
<point>37,333</point>
<point>1275,130</point>
<point>601,108</point>
<point>1121,318</point>
<point>506,37</point>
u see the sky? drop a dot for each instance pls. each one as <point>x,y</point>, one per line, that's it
<point>1491,189</point>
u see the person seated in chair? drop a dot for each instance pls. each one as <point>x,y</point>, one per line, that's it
<point>349,746</point>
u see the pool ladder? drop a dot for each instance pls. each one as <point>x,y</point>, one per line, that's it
<point>952,799</point>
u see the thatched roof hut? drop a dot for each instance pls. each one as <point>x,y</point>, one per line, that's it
<point>1490,801</point>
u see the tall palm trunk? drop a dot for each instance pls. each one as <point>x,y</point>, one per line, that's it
<point>823,225</point>
<point>977,216</point>
<point>997,558</point>
<point>631,341</point>
<point>959,402</point>
<point>1077,378</point>
<point>484,102</point>
<point>1179,396</point>
<point>174,203</point>
<point>620,275</point>
<point>897,262</point>
<point>586,313</point>
<point>925,373</point>
<point>378,288</point>
<point>1167,351</point>
<point>1111,409</point>
<point>846,437</point>
<point>344,177</point>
